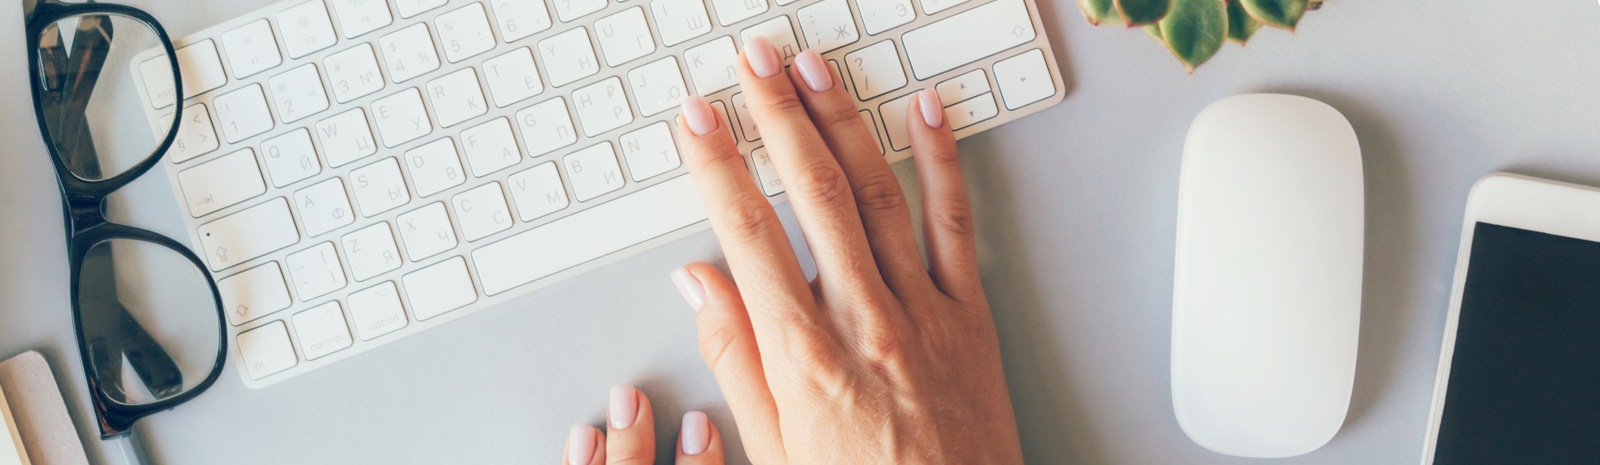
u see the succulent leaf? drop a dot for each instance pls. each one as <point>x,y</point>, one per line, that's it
<point>1276,13</point>
<point>1195,30</point>
<point>1100,12</point>
<point>1155,33</point>
<point>1143,12</point>
<point>1240,25</point>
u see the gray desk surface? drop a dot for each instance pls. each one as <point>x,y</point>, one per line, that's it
<point>1075,207</point>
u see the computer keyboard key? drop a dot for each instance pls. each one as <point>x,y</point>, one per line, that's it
<point>546,127</point>
<point>747,123</point>
<point>512,77</point>
<point>323,207</point>
<point>353,73</point>
<point>568,56</point>
<point>680,20</point>
<point>290,157</point>
<point>266,350</point>
<point>657,86</point>
<point>602,106</point>
<point>464,32</point>
<point>456,97</point>
<point>251,49</point>
<point>434,167</point>
<point>482,211</point>
<point>972,111</point>
<point>593,171</point>
<point>408,52</point>
<point>929,7</point>
<point>409,8</point>
<point>882,15</point>
<point>379,187</point>
<point>828,25</point>
<point>196,136</point>
<point>200,66</point>
<point>766,172</point>
<point>967,36</point>
<point>733,11</point>
<point>253,293</point>
<point>371,251</point>
<point>298,93</point>
<point>221,182</point>
<point>875,70</point>
<point>440,288</point>
<point>711,65</point>
<point>357,17</point>
<point>376,311</point>
<point>1024,79</point>
<point>346,137</point>
<point>426,231</point>
<point>247,234</point>
<point>957,89</point>
<point>243,113</point>
<point>568,10</point>
<point>624,36</point>
<point>894,120</point>
<point>490,147</point>
<point>650,151</point>
<point>401,117</point>
<point>315,271</point>
<point>306,28</point>
<point>322,330</point>
<point>518,19</point>
<point>779,32</point>
<point>537,191</point>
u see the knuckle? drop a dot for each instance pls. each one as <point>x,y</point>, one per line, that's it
<point>630,455</point>
<point>715,346</point>
<point>880,344</point>
<point>879,192</point>
<point>822,183</point>
<point>748,218</point>
<point>843,119</point>
<point>955,219</point>
<point>945,153</point>
<point>782,104</point>
<point>714,154</point>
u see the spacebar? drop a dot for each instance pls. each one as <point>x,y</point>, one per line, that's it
<point>589,234</point>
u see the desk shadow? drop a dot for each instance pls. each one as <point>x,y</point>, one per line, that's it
<point>1052,21</point>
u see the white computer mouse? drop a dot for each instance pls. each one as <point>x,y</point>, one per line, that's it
<point>1266,305</point>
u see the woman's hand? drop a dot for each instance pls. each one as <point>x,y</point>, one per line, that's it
<point>882,359</point>
<point>630,437</point>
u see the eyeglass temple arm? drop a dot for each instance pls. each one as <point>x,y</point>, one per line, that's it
<point>116,333</point>
<point>68,100</point>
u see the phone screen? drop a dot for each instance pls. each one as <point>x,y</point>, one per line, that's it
<point>1524,381</point>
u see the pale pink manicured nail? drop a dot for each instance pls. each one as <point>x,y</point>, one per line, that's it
<point>932,110</point>
<point>690,287</point>
<point>624,406</point>
<point>814,71</point>
<point>699,115</point>
<point>696,433</point>
<point>581,445</point>
<point>762,57</point>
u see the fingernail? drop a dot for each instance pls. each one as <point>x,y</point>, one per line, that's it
<point>690,287</point>
<point>814,71</point>
<point>624,406</point>
<point>758,52</point>
<point>699,115</point>
<point>581,445</point>
<point>696,433</point>
<point>932,110</point>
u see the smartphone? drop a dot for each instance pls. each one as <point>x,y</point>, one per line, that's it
<point>1519,370</point>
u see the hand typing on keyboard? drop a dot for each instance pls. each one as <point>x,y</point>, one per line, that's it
<point>881,359</point>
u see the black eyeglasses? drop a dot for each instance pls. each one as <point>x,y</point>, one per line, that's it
<point>148,314</point>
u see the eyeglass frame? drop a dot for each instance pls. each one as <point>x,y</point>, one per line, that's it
<point>83,205</point>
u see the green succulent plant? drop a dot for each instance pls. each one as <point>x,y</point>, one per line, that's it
<point>1194,30</point>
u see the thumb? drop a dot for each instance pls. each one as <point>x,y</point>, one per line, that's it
<point>728,344</point>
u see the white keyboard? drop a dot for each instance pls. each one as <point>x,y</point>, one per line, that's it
<point>355,171</point>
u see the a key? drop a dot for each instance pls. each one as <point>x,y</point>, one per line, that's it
<point>464,32</point>
<point>353,73</point>
<point>357,17</point>
<point>593,171</point>
<point>266,350</point>
<point>195,137</point>
<point>779,32</point>
<point>315,271</point>
<point>201,68</point>
<point>322,330</point>
<point>482,211</point>
<point>221,182</point>
<point>379,187</point>
<point>828,25</point>
<point>290,157</point>
<point>537,191</point>
<point>882,15</point>
<point>766,172</point>
<point>426,231</point>
<point>457,97</point>
<point>440,288</point>
<point>346,137</point>
<point>298,93</point>
<point>518,19</point>
<point>680,20</point>
<point>875,70</point>
<point>733,11</point>
<point>568,56</point>
<point>546,127</point>
<point>512,77</point>
<point>490,147</point>
<point>866,117</point>
<point>967,36</point>
<point>657,86</point>
<point>602,106</point>
<point>929,7</point>
<point>409,8</point>
<point>1024,79</point>
<point>243,113</point>
<point>408,53</point>
<point>253,293</point>
<point>306,29</point>
<point>248,234</point>
<point>894,119</point>
<point>377,311</point>
<point>568,10</point>
<point>401,117</point>
<point>251,49</point>
<point>624,36</point>
<point>371,251</point>
<point>434,167</point>
<point>959,88</point>
<point>649,151</point>
<point>711,65</point>
<point>323,207</point>
<point>971,111</point>
<point>747,124</point>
